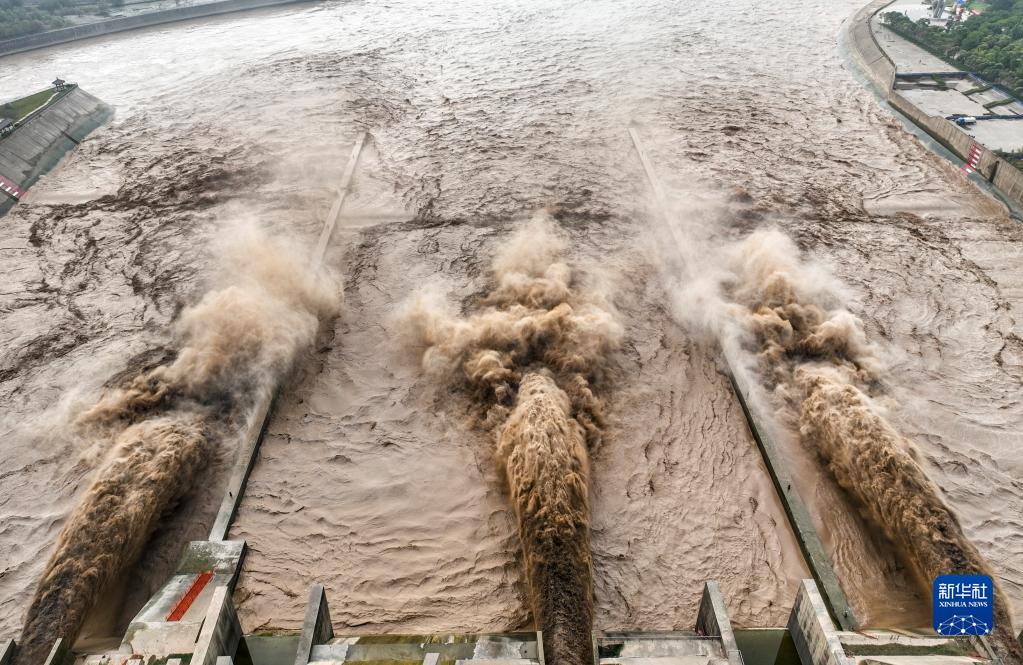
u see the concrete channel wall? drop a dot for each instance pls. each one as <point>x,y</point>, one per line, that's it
<point>812,630</point>
<point>802,524</point>
<point>38,144</point>
<point>881,71</point>
<point>221,631</point>
<point>51,37</point>
<point>947,134</point>
<point>712,619</point>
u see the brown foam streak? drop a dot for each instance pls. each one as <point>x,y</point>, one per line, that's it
<point>529,360</point>
<point>235,342</point>
<point>150,470</point>
<point>544,453</point>
<point>869,459</point>
<point>819,363</point>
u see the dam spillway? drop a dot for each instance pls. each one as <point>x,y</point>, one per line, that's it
<point>194,615</point>
<point>118,249</point>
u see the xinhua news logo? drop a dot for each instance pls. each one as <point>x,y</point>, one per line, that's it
<point>963,605</point>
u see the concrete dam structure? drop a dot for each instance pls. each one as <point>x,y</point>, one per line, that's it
<point>290,377</point>
<point>193,619</point>
<point>41,140</point>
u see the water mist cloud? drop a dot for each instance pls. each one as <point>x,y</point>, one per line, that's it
<point>782,319</point>
<point>232,346</point>
<point>533,358</point>
<point>241,337</point>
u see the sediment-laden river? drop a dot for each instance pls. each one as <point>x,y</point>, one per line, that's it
<point>370,480</point>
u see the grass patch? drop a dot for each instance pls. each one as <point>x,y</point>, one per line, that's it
<point>997,103</point>
<point>19,108</point>
<point>949,648</point>
<point>977,90</point>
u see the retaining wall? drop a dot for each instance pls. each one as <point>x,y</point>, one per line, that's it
<point>41,141</point>
<point>51,37</point>
<point>1009,180</point>
<point>874,61</point>
<point>947,134</point>
<point>880,69</point>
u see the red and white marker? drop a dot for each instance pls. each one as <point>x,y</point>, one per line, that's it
<point>972,159</point>
<point>193,591</point>
<point>9,188</point>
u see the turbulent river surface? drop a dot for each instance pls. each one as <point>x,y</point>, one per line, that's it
<point>371,480</point>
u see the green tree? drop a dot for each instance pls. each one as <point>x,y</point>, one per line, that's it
<point>990,44</point>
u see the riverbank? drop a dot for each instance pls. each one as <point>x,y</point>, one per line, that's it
<point>881,70</point>
<point>64,35</point>
<point>44,136</point>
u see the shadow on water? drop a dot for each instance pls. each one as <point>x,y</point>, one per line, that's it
<point>267,650</point>
<point>766,647</point>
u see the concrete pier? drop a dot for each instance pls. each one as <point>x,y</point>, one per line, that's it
<point>712,621</point>
<point>220,633</point>
<point>316,628</point>
<point>812,630</point>
<point>172,619</point>
<point>819,642</point>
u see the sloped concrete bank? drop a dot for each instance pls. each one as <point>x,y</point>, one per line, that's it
<point>42,140</point>
<point>881,70</point>
<point>49,38</point>
<point>875,63</point>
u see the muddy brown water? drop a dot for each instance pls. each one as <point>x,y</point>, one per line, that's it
<point>370,481</point>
